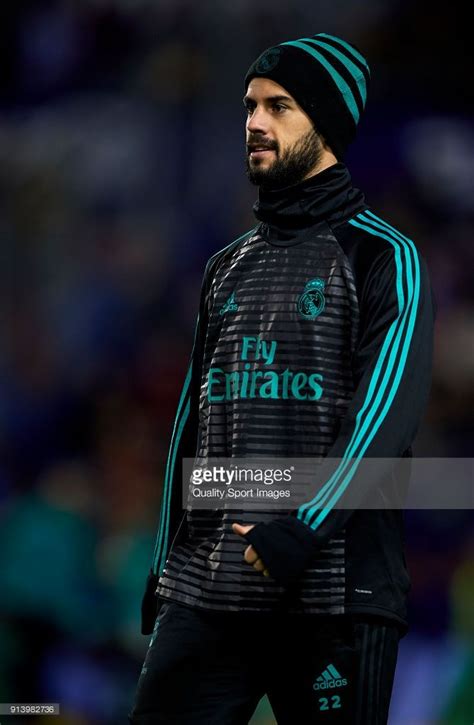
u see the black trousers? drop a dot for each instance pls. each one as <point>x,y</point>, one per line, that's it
<point>207,668</point>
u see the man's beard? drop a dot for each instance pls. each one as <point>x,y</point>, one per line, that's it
<point>292,167</point>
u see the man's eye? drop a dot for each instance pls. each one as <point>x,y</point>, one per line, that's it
<point>279,107</point>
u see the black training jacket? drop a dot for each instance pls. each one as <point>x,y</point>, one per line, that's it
<point>343,301</point>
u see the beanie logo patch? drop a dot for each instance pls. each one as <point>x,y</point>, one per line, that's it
<point>268,61</point>
<point>312,301</point>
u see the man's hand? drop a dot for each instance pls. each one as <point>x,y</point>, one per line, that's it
<point>250,555</point>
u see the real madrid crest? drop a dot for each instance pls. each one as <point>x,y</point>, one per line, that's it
<point>311,302</point>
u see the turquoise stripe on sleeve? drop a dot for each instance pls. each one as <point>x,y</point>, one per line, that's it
<point>162,529</point>
<point>326,489</point>
<point>413,292</point>
<point>414,299</point>
<point>353,69</point>
<point>384,383</point>
<point>336,77</point>
<point>161,545</point>
<point>401,366</point>
<point>348,47</point>
<point>160,561</point>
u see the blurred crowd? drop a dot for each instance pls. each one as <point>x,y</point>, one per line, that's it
<point>121,147</point>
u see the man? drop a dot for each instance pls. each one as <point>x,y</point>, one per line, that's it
<point>327,308</point>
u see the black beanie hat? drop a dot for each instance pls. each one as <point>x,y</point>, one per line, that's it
<point>327,76</point>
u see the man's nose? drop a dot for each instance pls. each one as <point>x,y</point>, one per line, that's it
<point>258,121</point>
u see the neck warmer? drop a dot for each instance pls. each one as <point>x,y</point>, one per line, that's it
<point>288,213</point>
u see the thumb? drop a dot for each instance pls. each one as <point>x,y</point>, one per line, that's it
<point>240,530</point>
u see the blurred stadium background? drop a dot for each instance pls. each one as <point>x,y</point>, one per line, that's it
<point>121,145</point>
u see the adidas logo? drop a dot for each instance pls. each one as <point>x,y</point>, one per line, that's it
<point>229,306</point>
<point>329,679</point>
